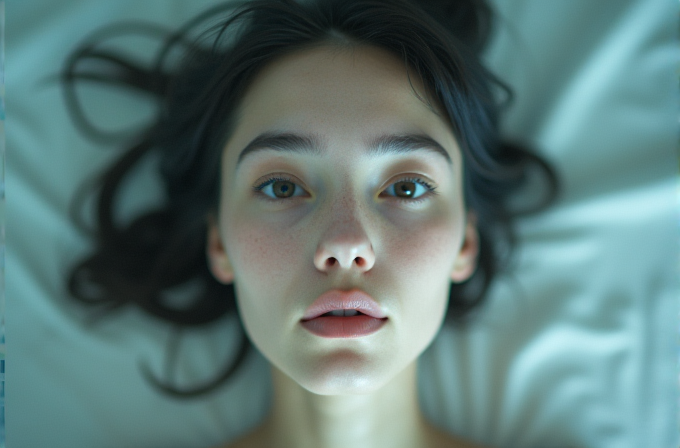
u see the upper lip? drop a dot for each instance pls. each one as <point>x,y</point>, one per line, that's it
<point>336,299</point>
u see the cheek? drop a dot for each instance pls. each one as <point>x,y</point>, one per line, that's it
<point>259,251</point>
<point>426,250</point>
<point>265,262</point>
<point>421,266</point>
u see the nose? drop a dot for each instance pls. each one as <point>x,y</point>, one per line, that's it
<point>345,245</point>
<point>345,255</point>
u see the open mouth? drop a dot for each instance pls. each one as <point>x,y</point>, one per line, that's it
<point>343,313</point>
<point>343,324</point>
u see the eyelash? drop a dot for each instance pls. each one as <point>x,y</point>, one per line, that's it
<point>430,189</point>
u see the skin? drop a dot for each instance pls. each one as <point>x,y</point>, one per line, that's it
<point>343,229</point>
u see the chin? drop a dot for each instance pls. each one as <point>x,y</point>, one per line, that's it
<point>344,374</point>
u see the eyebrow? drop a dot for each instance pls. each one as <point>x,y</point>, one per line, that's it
<point>310,144</point>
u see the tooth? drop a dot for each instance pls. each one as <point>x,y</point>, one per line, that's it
<point>351,312</point>
<point>337,313</point>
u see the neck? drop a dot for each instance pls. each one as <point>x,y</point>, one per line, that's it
<point>389,416</point>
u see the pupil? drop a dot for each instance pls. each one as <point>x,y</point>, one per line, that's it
<point>404,189</point>
<point>283,189</point>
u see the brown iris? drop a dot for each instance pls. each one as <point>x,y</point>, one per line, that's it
<point>286,189</point>
<point>408,188</point>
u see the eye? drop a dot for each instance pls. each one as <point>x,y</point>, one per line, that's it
<point>405,190</point>
<point>280,185</point>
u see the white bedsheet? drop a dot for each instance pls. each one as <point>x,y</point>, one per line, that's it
<point>579,348</point>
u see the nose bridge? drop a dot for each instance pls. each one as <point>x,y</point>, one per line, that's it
<point>345,237</point>
<point>346,195</point>
<point>346,214</point>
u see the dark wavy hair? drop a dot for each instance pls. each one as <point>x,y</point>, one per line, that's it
<point>198,95</point>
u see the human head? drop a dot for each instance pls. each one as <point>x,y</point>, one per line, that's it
<point>344,229</point>
<point>200,102</point>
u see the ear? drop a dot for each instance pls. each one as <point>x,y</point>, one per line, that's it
<point>217,257</point>
<point>466,261</point>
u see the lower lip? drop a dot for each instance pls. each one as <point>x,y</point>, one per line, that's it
<point>343,327</point>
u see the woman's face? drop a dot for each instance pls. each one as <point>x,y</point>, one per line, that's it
<point>337,222</point>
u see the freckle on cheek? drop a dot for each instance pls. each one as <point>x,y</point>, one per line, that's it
<point>264,252</point>
<point>255,253</point>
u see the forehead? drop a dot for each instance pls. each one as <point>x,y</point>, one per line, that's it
<point>346,95</point>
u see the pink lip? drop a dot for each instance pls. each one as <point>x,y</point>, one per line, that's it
<point>343,327</point>
<point>336,299</point>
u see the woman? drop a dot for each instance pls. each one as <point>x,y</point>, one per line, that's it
<point>331,158</point>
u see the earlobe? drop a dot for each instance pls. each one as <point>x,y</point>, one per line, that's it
<point>466,261</point>
<point>218,261</point>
